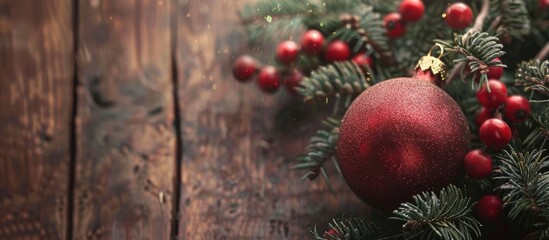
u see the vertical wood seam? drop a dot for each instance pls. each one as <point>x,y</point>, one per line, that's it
<point>73,130</point>
<point>174,231</point>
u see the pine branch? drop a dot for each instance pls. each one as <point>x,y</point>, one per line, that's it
<point>349,228</point>
<point>513,18</point>
<point>539,137</point>
<point>478,50</point>
<point>322,147</point>
<point>524,182</point>
<point>533,76</point>
<point>446,216</point>
<point>337,78</point>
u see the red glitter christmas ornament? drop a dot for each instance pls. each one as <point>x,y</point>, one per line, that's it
<point>401,137</point>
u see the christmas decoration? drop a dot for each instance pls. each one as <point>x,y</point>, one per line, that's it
<point>292,80</point>
<point>394,26</point>
<point>411,10</point>
<point>287,52</point>
<point>312,42</point>
<point>493,97</point>
<point>517,109</point>
<point>394,140</point>
<point>543,4</point>
<point>337,51</point>
<point>489,208</point>
<point>495,133</point>
<point>458,16</point>
<point>244,68</point>
<point>399,138</point>
<point>268,79</point>
<point>477,164</point>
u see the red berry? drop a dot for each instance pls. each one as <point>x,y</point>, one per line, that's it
<point>268,79</point>
<point>477,164</point>
<point>411,10</point>
<point>458,16</point>
<point>495,72</point>
<point>362,61</point>
<point>292,80</point>
<point>496,97</point>
<point>495,133</point>
<point>394,26</point>
<point>244,68</point>
<point>543,4</point>
<point>489,208</point>
<point>516,109</point>
<point>482,115</point>
<point>311,42</point>
<point>337,51</point>
<point>287,52</point>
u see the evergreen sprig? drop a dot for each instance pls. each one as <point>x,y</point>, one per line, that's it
<point>539,136</point>
<point>524,182</point>
<point>478,49</point>
<point>322,147</point>
<point>513,17</point>
<point>533,75</point>
<point>350,228</point>
<point>337,78</point>
<point>446,216</point>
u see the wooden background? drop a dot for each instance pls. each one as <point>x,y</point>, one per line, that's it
<point>121,120</point>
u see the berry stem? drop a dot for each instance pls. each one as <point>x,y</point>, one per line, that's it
<point>542,54</point>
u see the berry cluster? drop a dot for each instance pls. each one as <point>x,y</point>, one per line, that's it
<point>287,53</point>
<point>408,11</point>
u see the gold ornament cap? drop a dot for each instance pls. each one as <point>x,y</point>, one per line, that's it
<point>434,64</point>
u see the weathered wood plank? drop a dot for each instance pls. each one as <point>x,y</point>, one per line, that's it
<point>36,74</point>
<point>235,178</point>
<point>126,140</point>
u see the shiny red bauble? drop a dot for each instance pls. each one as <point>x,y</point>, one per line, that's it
<point>394,25</point>
<point>477,164</point>
<point>244,68</point>
<point>482,115</point>
<point>496,97</point>
<point>363,61</point>
<point>337,51</point>
<point>489,208</point>
<point>517,109</point>
<point>495,133</point>
<point>401,137</point>
<point>287,52</point>
<point>312,42</point>
<point>495,72</point>
<point>268,79</point>
<point>458,16</point>
<point>411,10</point>
<point>293,80</point>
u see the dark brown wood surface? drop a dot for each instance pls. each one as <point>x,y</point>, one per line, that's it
<point>125,135</point>
<point>236,182</point>
<point>36,69</point>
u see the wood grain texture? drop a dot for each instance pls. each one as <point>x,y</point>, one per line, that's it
<point>236,182</point>
<point>36,69</point>
<point>126,140</point>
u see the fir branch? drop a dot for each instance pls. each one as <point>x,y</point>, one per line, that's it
<point>322,147</point>
<point>446,216</point>
<point>337,78</point>
<point>349,228</point>
<point>539,137</point>
<point>524,183</point>
<point>512,18</point>
<point>479,50</point>
<point>533,76</point>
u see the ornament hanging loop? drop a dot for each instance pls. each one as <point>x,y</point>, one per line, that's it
<point>433,64</point>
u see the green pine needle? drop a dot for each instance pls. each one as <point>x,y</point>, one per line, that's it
<point>533,75</point>
<point>349,228</point>
<point>446,216</point>
<point>337,78</point>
